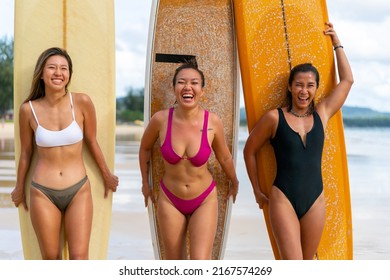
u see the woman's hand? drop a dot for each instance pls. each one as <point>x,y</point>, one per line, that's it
<point>261,198</point>
<point>233,190</point>
<point>110,183</point>
<point>147,192</point>
<point>332,33</point>
<point>18,197</point>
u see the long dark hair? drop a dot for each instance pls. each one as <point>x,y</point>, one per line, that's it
<point>301,68</point>
<point>37,89</point>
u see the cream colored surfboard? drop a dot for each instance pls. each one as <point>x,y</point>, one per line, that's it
<point>86,29</point>
<point>204,29</point>
<point>273,36</point>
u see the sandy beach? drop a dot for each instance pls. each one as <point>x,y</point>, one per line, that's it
<point>130,232</point>
<point>6,130</point>
<point>247,239</point>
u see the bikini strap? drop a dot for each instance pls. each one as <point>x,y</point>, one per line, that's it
<point>71,105</point>
<point>32,109</point>
<point>205,122</point>
<point>169,127</point>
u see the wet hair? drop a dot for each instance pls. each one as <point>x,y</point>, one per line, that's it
<point>190,64</point>
<point>301,68</point>
<point>37,89</point>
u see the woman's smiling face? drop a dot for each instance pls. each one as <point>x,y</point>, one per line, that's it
<point>303,89</point>
<point>188,87</point>
<point>56,72</point>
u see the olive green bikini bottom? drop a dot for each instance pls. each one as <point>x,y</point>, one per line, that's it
<point>61,198</point>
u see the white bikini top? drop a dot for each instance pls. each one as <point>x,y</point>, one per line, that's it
<point>55,138</point>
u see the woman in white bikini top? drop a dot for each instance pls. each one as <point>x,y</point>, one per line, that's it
<point>60,189</point>
<point>54,138</point>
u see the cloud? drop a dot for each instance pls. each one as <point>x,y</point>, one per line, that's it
<point>6,18</point>
<point>372,85</point>
<point>130,71</point>
<point>365,40</point>
<point>361,25</point>
<point>131,27</point>
<point>359,10</point>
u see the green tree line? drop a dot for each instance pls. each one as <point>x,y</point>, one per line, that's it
<point>6,75</point>
<point>367,122</point>
<point>129,108</point>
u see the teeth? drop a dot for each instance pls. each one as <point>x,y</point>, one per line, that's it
<point>187,96</point>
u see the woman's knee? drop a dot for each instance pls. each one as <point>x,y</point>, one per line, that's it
<point>78,255</point>
<point>50,254</point>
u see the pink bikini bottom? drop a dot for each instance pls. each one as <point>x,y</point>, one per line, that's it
<point>187,206</point>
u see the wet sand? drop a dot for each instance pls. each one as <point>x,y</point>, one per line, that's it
<point>130,237</point>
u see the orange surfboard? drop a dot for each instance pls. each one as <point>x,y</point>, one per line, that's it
<point>273,36</point>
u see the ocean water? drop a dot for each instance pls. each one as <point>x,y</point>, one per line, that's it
<point>368,152</point>
<point>368,155</point>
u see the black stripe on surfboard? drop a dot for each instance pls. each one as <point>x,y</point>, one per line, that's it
<point>286,34</point>
<point>175,58</point>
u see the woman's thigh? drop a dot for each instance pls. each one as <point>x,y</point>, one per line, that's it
<point>285,225</point>
<point>172,226</point>
<point>78,223</point>
<point>46,220</point>
<point>312,225</point>
<point>203,226</point>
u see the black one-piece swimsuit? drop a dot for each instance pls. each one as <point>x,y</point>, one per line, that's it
<point>299,174</point>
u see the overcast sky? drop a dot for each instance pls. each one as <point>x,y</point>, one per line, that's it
<point>363,27</point>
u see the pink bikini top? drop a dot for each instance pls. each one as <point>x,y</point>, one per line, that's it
<point>170,155</point>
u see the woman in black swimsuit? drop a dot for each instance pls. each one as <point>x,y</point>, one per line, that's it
<point>296,132</point>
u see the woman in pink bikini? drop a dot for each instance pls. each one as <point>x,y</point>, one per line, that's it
<point>59,122</point>
<point>187,134</point>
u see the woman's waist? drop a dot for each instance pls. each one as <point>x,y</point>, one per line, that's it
<point>187,188</point>
<point>59,160</point>
<point>58,177</point>
<point>61,153</point>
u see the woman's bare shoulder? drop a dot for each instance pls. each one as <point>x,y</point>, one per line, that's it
<point>25,106</point>
<point>161,115</point>
<point>81,97</point>
<point>267,124</point>
<point>271,116</point>
<point>215,120</point>
<point>159,118</point>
